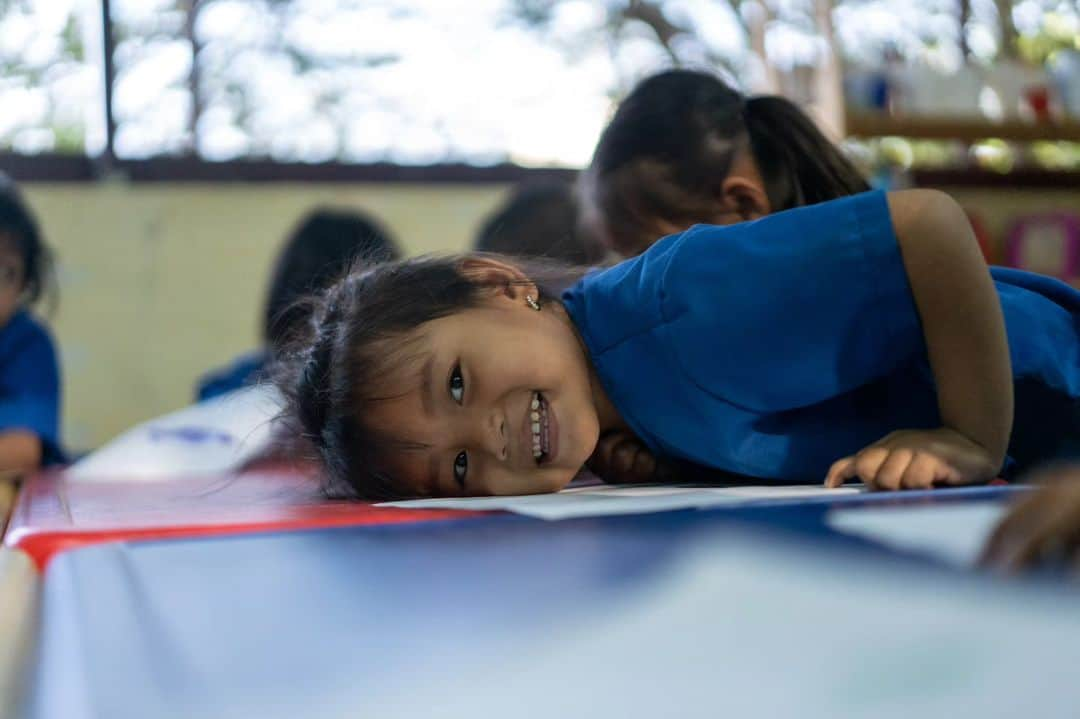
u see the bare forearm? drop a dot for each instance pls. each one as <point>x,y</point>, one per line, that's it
<point>961,317</point>
<point>20,451</point>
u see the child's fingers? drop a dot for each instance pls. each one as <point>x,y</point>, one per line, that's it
<point>644,465</point>
<point>840,471</point>
<point>601,461</point>
<point>920,473</point>
<point>1038,530</point>
<point>867,464</point>
<point>1044,545</point>
<point>622,458</point>
<point>892,469</point>
<point>995,550</point>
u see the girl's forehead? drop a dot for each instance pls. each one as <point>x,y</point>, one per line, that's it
<point>398,367</point>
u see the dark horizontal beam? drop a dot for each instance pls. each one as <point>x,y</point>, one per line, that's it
<point>73,168</point>
<point>1024,179</point>
<point>47,168</point>
<point>60,168</point>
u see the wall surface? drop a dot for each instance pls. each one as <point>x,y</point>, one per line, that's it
<point>998,208</point>
<point>159,283</point>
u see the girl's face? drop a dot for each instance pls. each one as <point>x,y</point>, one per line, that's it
<point>500,399</point>
<point>12,278</point>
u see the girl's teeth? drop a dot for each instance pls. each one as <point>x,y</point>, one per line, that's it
<point>534,415</point>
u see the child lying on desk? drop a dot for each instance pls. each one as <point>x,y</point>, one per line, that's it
<point>857,338</point>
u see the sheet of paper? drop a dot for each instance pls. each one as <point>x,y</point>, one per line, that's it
<point>206,438</point>
<point>603,500</point>
<point>954,533</point>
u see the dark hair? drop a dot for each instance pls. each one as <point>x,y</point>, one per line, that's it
<point>321,247</point>
<point>672,141</point>
<point>357,332</point>
<point>539,220</point>
<point>19,227</point>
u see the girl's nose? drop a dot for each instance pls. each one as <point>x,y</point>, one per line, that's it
<point>495,432</point>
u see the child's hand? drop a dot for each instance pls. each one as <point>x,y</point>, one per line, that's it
<point>1042,529</point>
<point>622,458</point>
<point>916,459</point>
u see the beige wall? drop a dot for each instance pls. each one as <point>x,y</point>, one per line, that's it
<point>998,208</point>
<point>159,283</point>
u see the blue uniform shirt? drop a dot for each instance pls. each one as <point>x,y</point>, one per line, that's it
<point>773,348</point>
<point>247,369</point>
<point>30,383</point>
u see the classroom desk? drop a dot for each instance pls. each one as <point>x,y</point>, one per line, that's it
<point>755,611</point>
<point>54,513</point>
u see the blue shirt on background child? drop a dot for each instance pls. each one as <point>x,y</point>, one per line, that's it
<point>30,383</point>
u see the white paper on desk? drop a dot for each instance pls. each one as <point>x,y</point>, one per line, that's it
<point>210,437</point>
<point>624,499</point>
<point>954,533</point>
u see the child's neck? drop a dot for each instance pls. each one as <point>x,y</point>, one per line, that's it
<point>606,413</point>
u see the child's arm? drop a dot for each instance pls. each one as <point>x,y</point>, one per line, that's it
<point>968,351</point>
<point>1043,528</point>
<point>20,451</point>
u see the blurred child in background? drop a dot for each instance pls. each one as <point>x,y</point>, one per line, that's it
<point>539,220</point>
<point>319,250</point>
<point>29,372</point>
<point>685,148</point>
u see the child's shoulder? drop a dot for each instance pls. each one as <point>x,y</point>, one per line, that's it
<point>24,330</point>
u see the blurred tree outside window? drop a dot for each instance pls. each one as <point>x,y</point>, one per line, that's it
<point>427,81</point>
<point>51,91</point>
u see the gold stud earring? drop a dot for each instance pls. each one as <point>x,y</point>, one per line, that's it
<point>531,302</point>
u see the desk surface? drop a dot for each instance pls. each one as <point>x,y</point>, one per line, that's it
<point>691,613</point>
<point>55,513</point>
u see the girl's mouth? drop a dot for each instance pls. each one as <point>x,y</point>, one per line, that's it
<point>541,420</point>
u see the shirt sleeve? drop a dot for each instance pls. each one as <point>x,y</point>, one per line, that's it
<point>31,393</point>
<point>792,309</point>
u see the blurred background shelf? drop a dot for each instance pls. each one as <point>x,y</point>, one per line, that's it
<point>944,128</point>
<point>1022,179</point>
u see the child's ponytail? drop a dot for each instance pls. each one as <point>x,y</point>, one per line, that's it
<point>798,164</point>
<point>672,143</point>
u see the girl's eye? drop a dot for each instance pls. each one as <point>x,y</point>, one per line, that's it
<point>461,468</point>
<point>457,384</point>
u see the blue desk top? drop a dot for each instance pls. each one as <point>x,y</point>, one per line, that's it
<point>706,613</point>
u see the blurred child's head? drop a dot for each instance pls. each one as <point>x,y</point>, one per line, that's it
<point>539,221</point>
<point>323,245</point>
<point>437,376</point>
<point>25,259</point>
<point>684,148</point>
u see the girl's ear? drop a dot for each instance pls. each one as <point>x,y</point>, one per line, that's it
<point>745,198</point>
<point>742,193</point>
<point>503,278</point>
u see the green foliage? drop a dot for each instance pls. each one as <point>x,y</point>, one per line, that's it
<point>72,40</point>
<point>69,139</point>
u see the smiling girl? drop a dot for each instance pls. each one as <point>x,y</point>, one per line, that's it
<point>857,338</point>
